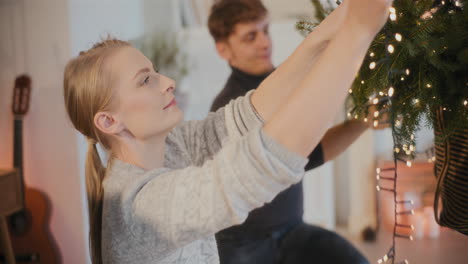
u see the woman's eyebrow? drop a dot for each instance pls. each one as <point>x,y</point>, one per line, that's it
<point>146,69</point>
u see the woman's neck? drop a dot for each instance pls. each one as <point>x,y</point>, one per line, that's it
<point>146,154</point>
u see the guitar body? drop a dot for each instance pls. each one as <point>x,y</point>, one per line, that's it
<point>28,228</point>
<point>34,244</point>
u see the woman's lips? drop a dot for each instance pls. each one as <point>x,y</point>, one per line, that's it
<point>173,102</point>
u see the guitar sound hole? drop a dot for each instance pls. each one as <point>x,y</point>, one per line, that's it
<point>19,224</point>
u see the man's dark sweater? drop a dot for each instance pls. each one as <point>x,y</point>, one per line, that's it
<point>287,208</point>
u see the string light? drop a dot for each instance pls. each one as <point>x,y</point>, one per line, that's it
<point>390,48</point>
<point>391,90</point>
<point>407,72</point>
<point>376,123</point>
<point>428,85</point>
<point>393,15</point>
<point>381,93</point>
<point>372,65</point>
<point>376,114</point>
<point>409,163</point>
<point>398,37</point>
<point>385,178</point>
<point>407,212</point>
<point>363,82</point>
<point>465,102</point>
<point>375,101</point>
<point>350,91</point>
<point>349,115</point>
<point>372,54</point>
<point>365,119</point>
<point>406,201</point>
<point>406,226</point>
<point>402,78</point>
<point>384,189</point>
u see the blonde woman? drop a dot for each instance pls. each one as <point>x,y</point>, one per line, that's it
<point>169,186</point>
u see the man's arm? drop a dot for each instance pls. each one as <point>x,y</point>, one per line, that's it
<point>340,137</point>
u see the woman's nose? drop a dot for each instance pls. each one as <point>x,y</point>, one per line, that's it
<point>170,88</point>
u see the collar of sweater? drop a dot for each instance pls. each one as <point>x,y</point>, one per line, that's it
<point>247,77</point>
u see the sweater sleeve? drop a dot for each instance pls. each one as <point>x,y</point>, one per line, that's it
<point>204,138</point>
<point>180,206</point>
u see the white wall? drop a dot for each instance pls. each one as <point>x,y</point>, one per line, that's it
<point>35,40</point>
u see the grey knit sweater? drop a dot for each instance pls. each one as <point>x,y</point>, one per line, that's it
<point>216,171</point>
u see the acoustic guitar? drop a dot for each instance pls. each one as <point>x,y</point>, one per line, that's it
<point>29,233</point>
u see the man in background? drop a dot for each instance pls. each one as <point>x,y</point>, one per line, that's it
<point>274,233</point>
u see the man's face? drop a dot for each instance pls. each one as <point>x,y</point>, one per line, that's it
<point>248,48</point>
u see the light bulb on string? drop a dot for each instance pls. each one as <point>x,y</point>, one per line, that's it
<point>428,85</point>
<point>398,37</point>
<point>407,72</point>
<point>372,65</point>
<point>391,90</point>
<point>390,48</point>
<point>465,102</point>
<point>350,91</point>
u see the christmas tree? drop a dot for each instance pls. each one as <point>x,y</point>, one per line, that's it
<point>417,69</point>
<point>415,65</point>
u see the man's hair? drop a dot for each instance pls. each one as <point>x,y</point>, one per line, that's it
<point>226,14</point>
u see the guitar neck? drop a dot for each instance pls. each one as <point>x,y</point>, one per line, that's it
<point>18,147</point>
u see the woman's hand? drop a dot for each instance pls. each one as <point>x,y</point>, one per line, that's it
<point>334,21</point>
<point>367,15</point>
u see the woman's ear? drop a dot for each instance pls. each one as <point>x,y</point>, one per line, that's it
<point>108,123</point>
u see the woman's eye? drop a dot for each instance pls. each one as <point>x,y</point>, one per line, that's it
<point>146,80</point>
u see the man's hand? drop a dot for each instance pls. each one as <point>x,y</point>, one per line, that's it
<point>376,119</point>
